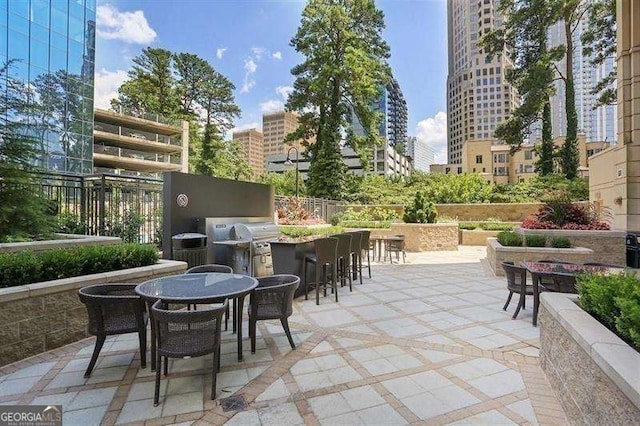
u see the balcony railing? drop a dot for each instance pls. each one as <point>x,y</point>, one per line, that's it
<point>138,155</point>
<point>151,117</point>
<point>137,134</point>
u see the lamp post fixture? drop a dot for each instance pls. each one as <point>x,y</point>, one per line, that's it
<point>288,162</point>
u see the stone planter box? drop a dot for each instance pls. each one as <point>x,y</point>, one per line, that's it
<point>497,253</point>
<point>427,236</point>
<point>37,317</point>
<point>475,237</point>
<point>63,241</point>
<point>607,246</point>
<point>595,375</point>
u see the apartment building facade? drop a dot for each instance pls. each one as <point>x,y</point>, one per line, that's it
<point>275,127</point>
<point>139,146</point>
<point>421,154</point>
<point>479,98</point>
<point>252,142</point>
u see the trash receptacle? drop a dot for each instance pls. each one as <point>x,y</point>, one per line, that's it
<point>190,247</point>
<point>633,248</point>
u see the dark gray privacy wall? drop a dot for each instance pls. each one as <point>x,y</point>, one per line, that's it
<point>209,197</point>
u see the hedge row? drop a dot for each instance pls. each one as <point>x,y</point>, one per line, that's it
<point>27,267</point>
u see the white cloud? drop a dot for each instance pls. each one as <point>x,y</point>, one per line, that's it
<point>284,92</point>
<point>433,132</point>
<point>130,27</point>
<point>277,55</point>
<point>220,52</point>
<point>272,105</point>
<point>258,52</point>
<point>250,68</point>
<point>106,86</point>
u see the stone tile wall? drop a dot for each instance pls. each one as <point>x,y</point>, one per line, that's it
<point>588,394</point>
<point>43,316</point>
<point>428,237</point>
<point>475,237</point>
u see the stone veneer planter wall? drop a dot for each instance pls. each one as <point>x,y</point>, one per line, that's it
<point>497,253</point>
<point>475,237</point>
<point>595,375</point>
<point>607,246</point>
<point>41,316</point>
<point>64,241</point>
<point>424,236</point>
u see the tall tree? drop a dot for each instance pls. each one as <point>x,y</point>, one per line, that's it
<point>344,66</point>
<point>599,42</point>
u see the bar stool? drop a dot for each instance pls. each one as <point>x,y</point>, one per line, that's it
<point>356,254</point>
<point>365,246</point>
<point>324,257</point>
<point>344,259</point>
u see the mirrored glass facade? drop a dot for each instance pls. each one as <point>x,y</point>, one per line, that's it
<point>49,46</point>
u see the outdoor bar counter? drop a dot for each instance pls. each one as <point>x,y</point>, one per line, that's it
<point>288,255</point>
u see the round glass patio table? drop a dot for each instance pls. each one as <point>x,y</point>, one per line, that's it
<point>200,288</point>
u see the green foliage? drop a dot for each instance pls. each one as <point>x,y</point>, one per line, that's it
<point>377,224</point>
<point>370,214</point>
<point>546,149</point>
<point>126,227</point>
<point>344,65</point>
<point>421,211</point>
<point>599,43</point>
<point>27,267</point>
<point>284,183</point>
<point>486,226</point>
<point>303,231</point>
<point>509,239</point>
<point>615,301</point>
<point>536,240</point>
<point>560,242</point>
<point>69,223</point>
<point>294,212</point>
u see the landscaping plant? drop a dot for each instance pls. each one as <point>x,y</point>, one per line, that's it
<point>421,211</point>
<point>559,212</point>
<point>293,212</point>
<point>536,240</point>
<point>509,239</point>
<point>560,242</point>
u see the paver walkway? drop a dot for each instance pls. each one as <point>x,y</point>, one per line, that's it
<point>426,342</point>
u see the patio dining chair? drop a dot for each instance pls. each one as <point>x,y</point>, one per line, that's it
<point>325,253</point>
<point>516,283</point>
<point>114,309</point>
<point>560,283</point>
<point>395,245</point>
<point>343,259</point>
<point>213,267</point>
<point>183,334</point>
<point>272,299</point>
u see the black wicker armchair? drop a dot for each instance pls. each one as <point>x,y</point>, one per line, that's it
<point>183,333</point>
<point>272,299</point>
<point>516,283</point>
<point>114,309</point>
<point>344,259</point>
<point>212,267</point>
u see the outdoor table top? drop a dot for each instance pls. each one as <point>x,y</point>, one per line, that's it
<point>197,287</point>
<point>571,269</point>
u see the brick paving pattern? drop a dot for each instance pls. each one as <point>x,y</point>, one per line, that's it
<point>425,342</point>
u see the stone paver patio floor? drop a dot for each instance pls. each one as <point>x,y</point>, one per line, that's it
<point>424,342</point>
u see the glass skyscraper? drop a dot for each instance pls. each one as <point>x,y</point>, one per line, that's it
<point>48,47</point>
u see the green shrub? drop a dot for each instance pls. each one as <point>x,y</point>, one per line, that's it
<point>336,218</point>
<point>536,240</point>
<point>509,239</point>
<point>560,242</point>
<point>615,301</point>
<point>369,213</point>
<point>303,231</point>
<point>69,223</point>
<point>486,226</point>
<point>365,224</point>
<point>27,267</point>
<point>421,211</point>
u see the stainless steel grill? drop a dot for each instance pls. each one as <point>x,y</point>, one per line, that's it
<point>242,243</point>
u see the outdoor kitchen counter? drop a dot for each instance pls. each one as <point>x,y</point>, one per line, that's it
<point>288,255</point>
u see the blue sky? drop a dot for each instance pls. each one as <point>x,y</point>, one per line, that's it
<point>248,41</point>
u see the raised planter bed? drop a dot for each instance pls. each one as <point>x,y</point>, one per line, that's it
<point>37,317</point>
<point>595,375</point>
<point>497,253</point>
<point>427,236</point>
<point>607,246</point>
<point>475,237</point>
<point>62,241</point>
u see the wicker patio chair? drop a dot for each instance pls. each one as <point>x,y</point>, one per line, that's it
<point>395,246</point>
<point>114,309</point>
<point>183,333</point>
<point>516,283</point>
<point>365,247</point>
<point>212,267</point>
<point>324,259</point>
<point>272,299</point>
<point>356,254</point>
<point>560,283</point>
<point>344,259</point>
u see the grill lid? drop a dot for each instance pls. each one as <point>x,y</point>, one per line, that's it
<point>254,231</point>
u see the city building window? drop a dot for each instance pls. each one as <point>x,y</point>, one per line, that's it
<point>528,154</point>
<point>478,159</point>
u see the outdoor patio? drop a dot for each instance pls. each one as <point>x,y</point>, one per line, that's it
<point>426,342</point>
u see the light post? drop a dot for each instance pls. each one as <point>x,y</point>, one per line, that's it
<point>288,162</point>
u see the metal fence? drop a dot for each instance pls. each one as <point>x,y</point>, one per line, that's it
<point>321,208</point>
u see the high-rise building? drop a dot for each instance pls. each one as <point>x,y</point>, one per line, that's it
<point>275,127</point>
<point>252,142</point>
<point>478,96</point>
<point>423,155</point>
<point>50,48</point>
<point>598,124</point>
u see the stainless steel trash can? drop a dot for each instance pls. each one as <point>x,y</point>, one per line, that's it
<point>190,247</point>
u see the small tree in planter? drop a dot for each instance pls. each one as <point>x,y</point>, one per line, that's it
<point>421,211</point>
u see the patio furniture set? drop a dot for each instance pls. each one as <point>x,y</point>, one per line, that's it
<point>547,275</point>
<point>388,246</point>
<point>186,313</point>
